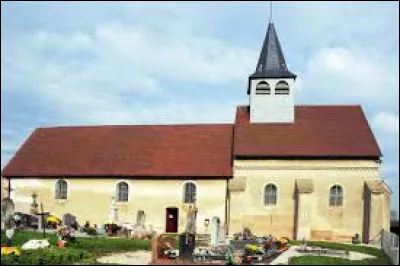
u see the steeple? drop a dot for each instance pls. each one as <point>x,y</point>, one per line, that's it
<point>271,63</point>
<point>271,86</point>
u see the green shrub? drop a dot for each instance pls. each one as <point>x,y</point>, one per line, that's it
<point>53,256</point>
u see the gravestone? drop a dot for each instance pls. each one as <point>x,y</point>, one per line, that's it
<point>222,235</point>
<point>7,210</point>
<point>101,229</point>
<point>68,219</point>
<point>140,220</point>
<point>186,245</point>
<point>215,230</point>
<point>113,217</point>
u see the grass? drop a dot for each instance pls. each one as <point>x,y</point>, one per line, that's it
<point>96,246</point>
<point>101,245</point>
<point>20,237</point>
<point>381,258</point>
<point>319,260</point>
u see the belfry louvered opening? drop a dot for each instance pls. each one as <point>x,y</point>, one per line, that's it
<point>263,88</point>
<point>282,88</point>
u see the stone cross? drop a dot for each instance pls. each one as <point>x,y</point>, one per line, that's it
<point>41,221</point>
<point>34,205</point>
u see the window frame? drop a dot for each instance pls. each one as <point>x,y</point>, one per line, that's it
<point>264,194</point>
<point>118,192</point>
<point>336,197</point>
<point>61,193</point>
<point>192,198</point>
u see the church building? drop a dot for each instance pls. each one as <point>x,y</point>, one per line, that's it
<point>301,171</point>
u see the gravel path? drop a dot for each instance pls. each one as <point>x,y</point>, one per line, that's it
<point>291,252</point>
<point>128,258</point>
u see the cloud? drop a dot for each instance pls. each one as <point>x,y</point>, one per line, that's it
<point>334,72</point>
<point>118,61</point>
<point>386,123</point>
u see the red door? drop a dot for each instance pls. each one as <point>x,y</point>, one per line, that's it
<point>171,220</point>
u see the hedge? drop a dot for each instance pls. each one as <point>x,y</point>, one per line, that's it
<point>52,256</point>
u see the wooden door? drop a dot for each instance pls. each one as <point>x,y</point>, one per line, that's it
<point>171,220</point>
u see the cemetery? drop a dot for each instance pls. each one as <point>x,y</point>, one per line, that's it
<point>41,237</point>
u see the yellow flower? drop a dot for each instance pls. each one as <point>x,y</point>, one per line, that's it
<point>251,248</point>
<point>53,219</point>
<point>10,250</point>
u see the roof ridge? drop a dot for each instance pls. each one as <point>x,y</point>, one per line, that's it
<point>142,125</point>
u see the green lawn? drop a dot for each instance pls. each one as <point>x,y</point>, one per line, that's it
<point>86,250</point>
<point>381,258</point>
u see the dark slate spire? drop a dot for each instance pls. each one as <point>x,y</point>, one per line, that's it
<point>271,63</point>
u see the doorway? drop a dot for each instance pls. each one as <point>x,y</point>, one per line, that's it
<point>171,224</point>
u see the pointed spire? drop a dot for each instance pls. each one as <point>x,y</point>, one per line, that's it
<point>271,63</point>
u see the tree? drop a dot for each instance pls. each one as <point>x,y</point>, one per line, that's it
<point>394,215</point>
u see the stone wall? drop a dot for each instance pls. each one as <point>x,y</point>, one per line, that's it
<point>326,222</point>
<point>90,199</point>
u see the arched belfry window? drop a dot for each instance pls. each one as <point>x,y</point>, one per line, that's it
<point>61,189</point>
<point>122,192</point>
<point>263,88</point>
<point>282,88</point>
<point>336,196</point>
<point>189,193</point>
<point>270,195</point>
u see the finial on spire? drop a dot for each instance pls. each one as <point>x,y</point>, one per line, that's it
<point>270,11</point>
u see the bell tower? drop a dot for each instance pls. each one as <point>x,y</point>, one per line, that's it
<point>271,86</point>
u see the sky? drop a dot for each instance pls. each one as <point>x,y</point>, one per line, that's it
<point>95,63</point>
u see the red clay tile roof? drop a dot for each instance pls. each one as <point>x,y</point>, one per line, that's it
<point>168,150</point>
<point>318,131</point>
<point>192,150</point>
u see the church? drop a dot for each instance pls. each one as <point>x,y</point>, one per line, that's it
<point>301,171</point>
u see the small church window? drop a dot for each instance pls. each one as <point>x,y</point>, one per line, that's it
<point>122,191</point>
<point>190,192</point>
<point>282,88</point>
<point>61,189</point>
<point>336,196</point>
<point>270,195</point>
<point>263,88</point>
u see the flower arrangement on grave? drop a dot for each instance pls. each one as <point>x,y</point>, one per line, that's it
<point>88,229</point>
<point>66,234</point>
<point>112,228</point>
<point>238,236</point>
<point>10,251</point>
<point>252,249</point>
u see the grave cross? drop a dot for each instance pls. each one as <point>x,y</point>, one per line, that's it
<point>42,214</point>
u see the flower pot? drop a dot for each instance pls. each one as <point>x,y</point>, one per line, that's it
<point>61,244</point>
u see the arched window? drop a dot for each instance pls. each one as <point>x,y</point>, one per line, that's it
<point>282,88</point>
<point>189,192</point>
<point>61,189</point>
<point>122,191</point>
<point>336,196</point>
<point>270,195</point>
<point>263,88</point>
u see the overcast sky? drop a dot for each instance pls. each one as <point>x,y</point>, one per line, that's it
<point>77,63</point>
